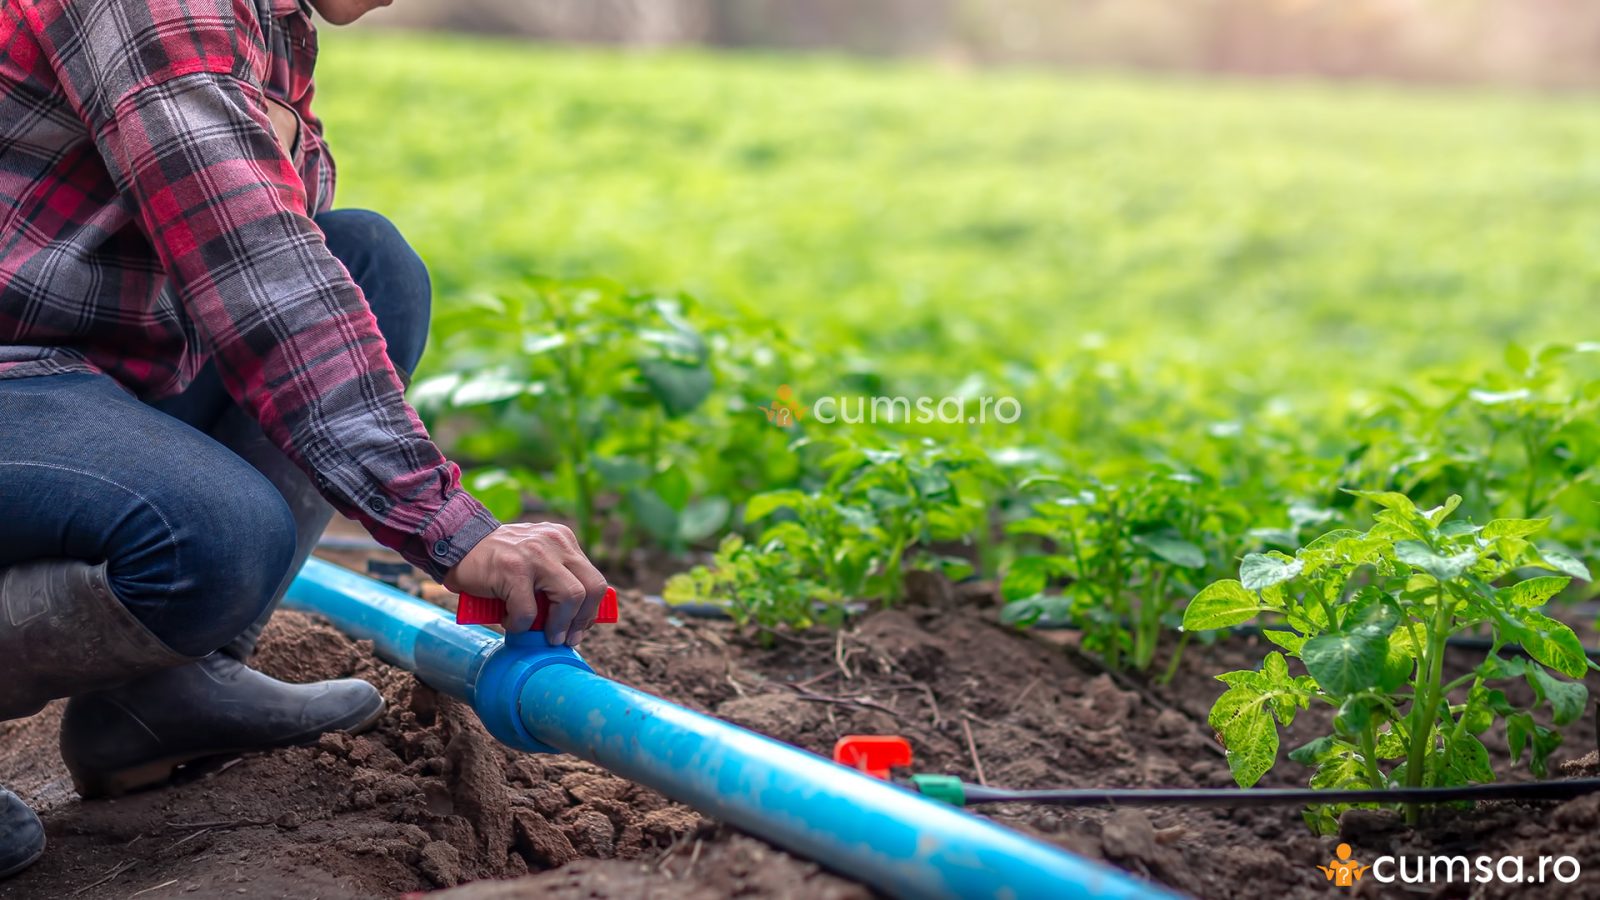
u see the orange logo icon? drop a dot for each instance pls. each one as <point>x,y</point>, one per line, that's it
<point>1344,871</point>
<point>786,410</point>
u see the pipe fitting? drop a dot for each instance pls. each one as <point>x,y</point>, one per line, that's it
<point>497,692</point>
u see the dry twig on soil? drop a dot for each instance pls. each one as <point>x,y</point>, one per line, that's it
<point>972,747</point>
<point>116,870</point>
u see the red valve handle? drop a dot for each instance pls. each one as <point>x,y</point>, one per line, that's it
<point>475,610</point>
<point>874,754</point>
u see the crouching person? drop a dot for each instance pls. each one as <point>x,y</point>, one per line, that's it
<point>200,363</point>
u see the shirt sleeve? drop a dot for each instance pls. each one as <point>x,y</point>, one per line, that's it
<point>169,93</point>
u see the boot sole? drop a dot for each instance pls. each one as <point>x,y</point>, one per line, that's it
<point>95,785</point>
<point>7,873</point>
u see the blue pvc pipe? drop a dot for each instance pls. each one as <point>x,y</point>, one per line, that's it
<point>535,697</point>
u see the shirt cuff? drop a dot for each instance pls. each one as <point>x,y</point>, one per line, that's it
<point>453,531</point>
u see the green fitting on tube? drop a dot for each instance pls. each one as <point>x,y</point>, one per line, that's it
<point>941,787</point>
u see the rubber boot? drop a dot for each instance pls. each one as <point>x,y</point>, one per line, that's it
<point>21,835</point>
<point>137,735</point>
<point>63,631</point>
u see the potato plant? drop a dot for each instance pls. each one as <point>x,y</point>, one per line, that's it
<point>577,391</point>
<point>1118,559</point>
<point>1367,615</point>
<point>879,511</point>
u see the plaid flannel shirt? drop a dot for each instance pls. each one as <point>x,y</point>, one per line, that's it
<point>150,221</point>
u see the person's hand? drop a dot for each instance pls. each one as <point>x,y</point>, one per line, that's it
<point>516,561</point>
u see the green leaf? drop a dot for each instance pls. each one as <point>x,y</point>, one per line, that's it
<point>1443,568</point>
<point>1354,715</point>
<point>1391,745</point>
<point>535,344</point>
<point>1439,514</point>
<point>1048,610</point>
<point>1398,661</point>
<point>678,387</point>
<point>433,392</point>
<point>1389,500</point>
<point>1247,731</point>
<point>1534,591</point>
<point>490,386</point>
<point>1567,699</point>
<point>1330,540</point>
<point>1340,770</point>
<point>1314,751</point>
<point>1553,644</point>
<point>762,505</point>
<point>620,470</point>
<point>498,490</point>
<point>702,518</point>
<point>1172,548</point>
<point>1469,759</point>
<point>1263,570</point>
<point>1545,741</point>
<point>1345,663</point>
<point>1514,528</point>
<point>1478,716</point>
<point>1025,577</point>
<point>1519,726</point>
<point>1565,563</point>
<point>655,515</point>
<point>1221,605</point>
<point>1498,398</point>
<point>1288,640</point>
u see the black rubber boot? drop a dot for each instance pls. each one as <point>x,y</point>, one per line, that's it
<point>63,631</point>
<point>137,735</point>
<point>21,835</point>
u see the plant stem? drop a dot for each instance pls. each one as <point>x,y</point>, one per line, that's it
<point>1529,446</point>
<point>1424,708</point>
<point>1177,656</point>
<point>1369,753</point>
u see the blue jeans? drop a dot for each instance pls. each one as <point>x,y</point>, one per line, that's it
<point>196,540</point>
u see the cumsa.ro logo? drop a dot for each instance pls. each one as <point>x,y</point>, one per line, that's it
<point>786,410</point>
<point>1344,871</point>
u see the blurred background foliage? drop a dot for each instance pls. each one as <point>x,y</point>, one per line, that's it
<point>1544,42</point>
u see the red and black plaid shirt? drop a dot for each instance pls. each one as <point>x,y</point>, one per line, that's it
<point>150,221</point>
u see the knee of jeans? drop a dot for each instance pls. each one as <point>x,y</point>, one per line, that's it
<point>218,567</point>
<point>391,275</point>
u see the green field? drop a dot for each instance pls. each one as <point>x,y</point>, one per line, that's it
<point>1293,236</point>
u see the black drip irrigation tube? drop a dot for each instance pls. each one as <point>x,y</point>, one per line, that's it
<point>973,794</point>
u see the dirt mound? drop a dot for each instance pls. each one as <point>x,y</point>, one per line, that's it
<point>427,800</point>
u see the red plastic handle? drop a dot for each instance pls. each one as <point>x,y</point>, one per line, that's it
<point>874,754</point>
<point>475,610</point>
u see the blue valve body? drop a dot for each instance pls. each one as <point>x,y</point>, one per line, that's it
<point>497,693</point>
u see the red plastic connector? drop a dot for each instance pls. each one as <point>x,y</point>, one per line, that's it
<point>874,754</point>
<point>475,610</point>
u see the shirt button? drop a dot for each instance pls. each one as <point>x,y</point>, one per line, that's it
<point>441,548</point>
<point>377,505</point>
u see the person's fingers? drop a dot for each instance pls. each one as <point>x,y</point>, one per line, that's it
<point>521,606</point>
<point>567,595</point>
<point>594,585</point>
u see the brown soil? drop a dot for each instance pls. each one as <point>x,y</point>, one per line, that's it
<point>427,800</point>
